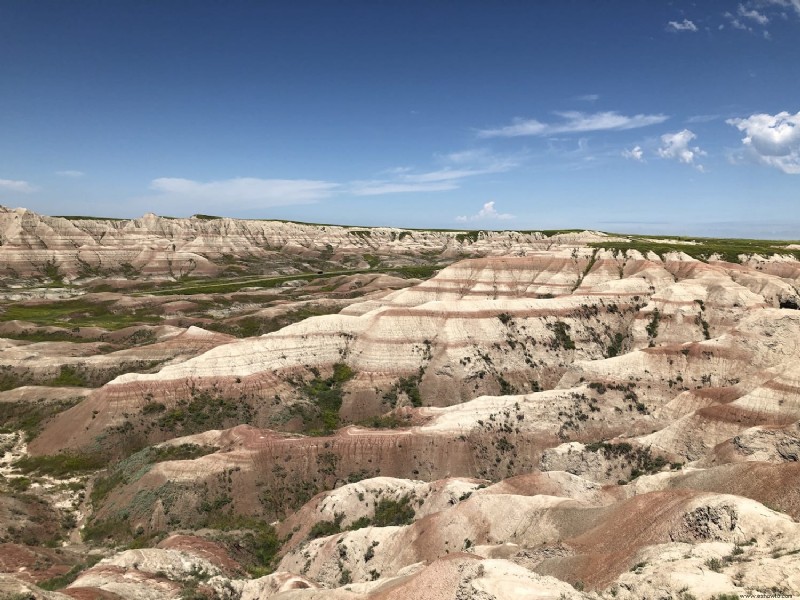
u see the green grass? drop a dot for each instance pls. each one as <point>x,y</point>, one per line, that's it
<point>69,377</point>
<point>728,249</point>
<point>101,530</point>
<point>228,286</point>
<point>180,452</point>
<point>203,412</point>
<point>30,416</point>
<point>77,312</point>
<point>253,537</point>
<point>87,218</point>
<point>61,465</point>
<point>62,581</point>
<point>326,395</point>
<point>33,335</point>
<point>372,260</point>
<point>550,232</point>
<point>390,421</point>
<point>251,326</point>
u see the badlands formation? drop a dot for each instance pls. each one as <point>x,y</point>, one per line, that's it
<point>213,408</point>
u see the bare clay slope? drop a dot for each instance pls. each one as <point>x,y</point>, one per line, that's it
<point>483,326</point>
<point>33,245</point>
<point>575,419</point>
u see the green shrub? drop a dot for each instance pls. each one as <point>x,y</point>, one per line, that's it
<point>393,512</point>
<point>61,465</point>
<point>326,528</point>
<point>62,581</point>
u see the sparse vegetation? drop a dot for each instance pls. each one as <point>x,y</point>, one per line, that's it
<point>251,326</point>
<point>640,460</point>
<point>202,412</point>
<point>326,397</point>
<point>561,338</point>
<point>393,512</point>
<point>652,326</point>
<point>29,417</point>
<point>77,312</point>
<point>180,452</point>
<point>703,248</point>
<point>714,564</point>
<point>61,465</point>
<point>326,528</point>
<point>62,581</point>
<point>407,385</point>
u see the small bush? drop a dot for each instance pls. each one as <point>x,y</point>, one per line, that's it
<point>393,512</point>
<point>61,465</point>
<point>714,564</point>
<point>326,528</point>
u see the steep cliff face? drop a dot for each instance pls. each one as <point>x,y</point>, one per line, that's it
<point>483,326</point>
<point>33,245</point>
<point>548,419</point>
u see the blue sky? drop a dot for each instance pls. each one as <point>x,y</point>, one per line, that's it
<point>659,117</point>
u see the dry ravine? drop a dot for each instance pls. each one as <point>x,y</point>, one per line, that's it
<point>217,408</point>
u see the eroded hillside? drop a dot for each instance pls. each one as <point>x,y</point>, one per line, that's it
<point>573,416</point>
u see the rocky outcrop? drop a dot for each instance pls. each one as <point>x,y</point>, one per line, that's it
<point>547,420</point>
<point>33,245</point>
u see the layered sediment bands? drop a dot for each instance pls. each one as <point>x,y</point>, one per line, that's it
<point>572,540</point>
<point>90,362</point>
<point>571,419</point>
<point>152,246</point>
<point>483,326</point>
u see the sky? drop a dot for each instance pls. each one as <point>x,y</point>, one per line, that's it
<point>625,116</point>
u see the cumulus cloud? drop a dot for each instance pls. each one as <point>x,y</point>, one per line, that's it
<point>70,173</point>
<point>685,25</point>
<point>636,153</point>
<point>487,213</point>
<point>773,140</point>
<point>17,186</point>
<point>574,122</point>
<point>676,146</point>
<point>248,191</point>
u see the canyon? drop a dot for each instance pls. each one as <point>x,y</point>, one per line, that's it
<point>219,408</point>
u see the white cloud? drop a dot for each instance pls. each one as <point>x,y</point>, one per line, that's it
<point>737,24</point>
<point>588,97</point>
<point>249,191</point>
<point>636,153</point>
<point>795,4</point>
<point>379,187</point>
<point>574,122</point>
<point>487,213</point>
<point>676,146</point>
<point>685,25</point>
<point>752,14</point>
<point>702,118</point>
<point>774,140</point>
<point>17,186</point>
<point>456,166</point>
<point>70,173</point>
